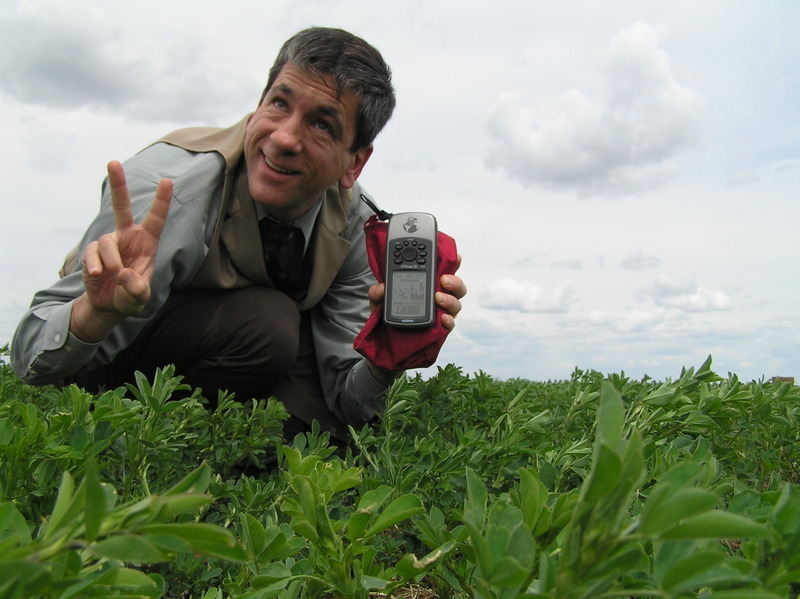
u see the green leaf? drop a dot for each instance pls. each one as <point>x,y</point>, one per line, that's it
<point>253,534</point>
<point>174,505</point>
<point>133,581</point>
<point>716,525</point>
<point>605,475</point>
<point>205,538</point>
<point>400,509</point>
<point>373,583</point>
<point>705,374</point>
<point>367,509</point>
<point>270,574</point>
<point>169,543</point>
<point>786,515</point>
<point>676,477</point>
<point>484,556</point>
<point>342,481</point>
<point>306,530</point>
<point>116,581</point>
<point>508,572</point>
<point>25,571</point>
<point>410,566</point>
<point>195,482</point>
<point>64,501</point>
<point>13,525</point>
<point>297,464</point>
<point>663,395</point>
<point>676,506</point>
<point>95,501</point>
<point>743,594</point>
<point>547,572</point>
<point>374,498</point>
<point>522,546</point>
<point>532,500</point>
<point>497,541</point>
<point>129,548</point>
<point>308,496</point>
<point>357,523</point>
<point>475,505</point>
<point>87,581</point>
<point>610,416</point>
<point>686,573</point>
<point>633,468</point>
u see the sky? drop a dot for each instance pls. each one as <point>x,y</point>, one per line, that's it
<point>622,178</point>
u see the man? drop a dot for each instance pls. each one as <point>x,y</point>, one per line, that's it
<point>208,281</point>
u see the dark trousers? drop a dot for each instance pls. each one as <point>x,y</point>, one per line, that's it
<point>251,341</point>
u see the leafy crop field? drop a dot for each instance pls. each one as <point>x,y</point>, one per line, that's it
<point>595,487</point>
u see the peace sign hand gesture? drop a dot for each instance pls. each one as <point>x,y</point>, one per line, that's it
<point>117,268</point>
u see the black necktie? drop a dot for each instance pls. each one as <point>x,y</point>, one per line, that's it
<point>283,251</point>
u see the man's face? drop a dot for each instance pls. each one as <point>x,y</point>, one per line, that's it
<point>297,143</point>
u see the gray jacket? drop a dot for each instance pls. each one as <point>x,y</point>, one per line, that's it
<point>43,350</point>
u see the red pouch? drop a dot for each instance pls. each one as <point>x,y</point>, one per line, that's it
<point>401,349</point>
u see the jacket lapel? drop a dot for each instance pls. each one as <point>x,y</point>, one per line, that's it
<point>228,142</point>
<point>329,249</point>
<point>240,234</point>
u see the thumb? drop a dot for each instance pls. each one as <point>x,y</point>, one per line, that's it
<point>376,293</point>
<point>136,287</point>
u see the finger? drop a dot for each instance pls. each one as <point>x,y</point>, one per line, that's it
<point>136,286</point>
<point>453,285</point>
<point>448,322</point>
<point>92,264</point>
<point>157,216</point>
<point>108,252</point>
<point>449,303</point>
<point>376,293</point>
<point>120,199</point>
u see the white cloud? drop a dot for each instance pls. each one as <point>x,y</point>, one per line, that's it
<point>566,265</point>
<point>629,321</point>
<point>744,179</point>
<point>71,57</point>
<point>620,143</point>
<point>787,165</point>
<point>640,261</point>
<point>510,294</point>
<point>686,295</point>
<point>97,80</point>
<point>62,59</point>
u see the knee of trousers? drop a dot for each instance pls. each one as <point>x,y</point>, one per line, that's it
<point>262,327</point>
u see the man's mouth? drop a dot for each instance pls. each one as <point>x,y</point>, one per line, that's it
<point>280,169</point>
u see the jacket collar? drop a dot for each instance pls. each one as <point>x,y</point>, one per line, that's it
<point>228,142</point>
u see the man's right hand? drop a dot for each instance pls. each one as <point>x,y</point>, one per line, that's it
<point>117,268</point>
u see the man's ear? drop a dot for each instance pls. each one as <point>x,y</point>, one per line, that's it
<point>360,158</point>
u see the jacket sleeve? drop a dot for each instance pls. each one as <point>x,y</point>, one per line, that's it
<point>351,392</point>
<point>43,351</point>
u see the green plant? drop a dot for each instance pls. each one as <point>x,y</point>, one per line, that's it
<point>81,549</point>
<point>597,486</point>
<point>341,560</point>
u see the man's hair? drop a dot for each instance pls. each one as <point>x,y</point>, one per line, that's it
<point>353,64</point>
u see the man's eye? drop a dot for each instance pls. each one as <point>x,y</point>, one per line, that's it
<point>279,103</point>
<point>323,126</point>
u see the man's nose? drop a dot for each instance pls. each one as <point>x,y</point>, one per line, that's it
<point>287,135</point>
